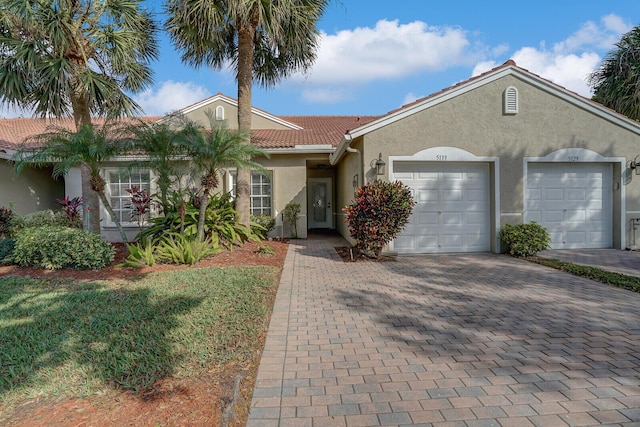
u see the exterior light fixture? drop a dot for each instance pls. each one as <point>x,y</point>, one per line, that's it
<point>635,164</point>
<point>379,164</point>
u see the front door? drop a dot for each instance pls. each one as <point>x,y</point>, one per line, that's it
<point>319,199</point>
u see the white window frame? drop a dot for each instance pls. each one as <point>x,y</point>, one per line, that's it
<point>255,210</point>
<point>126,197</point>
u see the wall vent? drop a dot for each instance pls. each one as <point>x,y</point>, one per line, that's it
<point>511,100</point>
<point>219,113</point>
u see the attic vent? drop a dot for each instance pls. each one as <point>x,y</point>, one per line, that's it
<point>511,100</point>
<point>219,112</point>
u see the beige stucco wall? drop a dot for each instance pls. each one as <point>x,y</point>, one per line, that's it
<point>348,168</point>
<point>33,190</point>
<point>231,116</point>
<point>545,123</point>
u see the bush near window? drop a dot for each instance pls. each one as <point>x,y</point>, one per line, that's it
<point>261,225</point>
<point>39,219</point>
<point>56,247</point>
<point>523,240</point>
<point>378,214</point>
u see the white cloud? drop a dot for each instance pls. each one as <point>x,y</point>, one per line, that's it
<point>570,61</point>
<point>325,95</point>
<point>170,96</point>
<point>387,51</point>
<point>410,97</point>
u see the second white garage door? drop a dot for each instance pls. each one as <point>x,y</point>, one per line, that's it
<point>452,212</point>
<point>573,201</point>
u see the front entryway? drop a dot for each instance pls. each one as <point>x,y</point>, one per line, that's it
<point>319,198</point>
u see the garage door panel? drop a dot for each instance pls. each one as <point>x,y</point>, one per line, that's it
<point>452,210</point>
<point>570,200</point>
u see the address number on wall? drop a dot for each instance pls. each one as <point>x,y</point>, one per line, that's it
<point>573,158</point>
<point>441,157</point>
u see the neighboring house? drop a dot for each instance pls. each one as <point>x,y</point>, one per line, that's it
<point>504,147</point>
<point>34,189</point>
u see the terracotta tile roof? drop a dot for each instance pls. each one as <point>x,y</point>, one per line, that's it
<point>317,130</point>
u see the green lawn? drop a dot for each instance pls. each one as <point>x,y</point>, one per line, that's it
<point>65,338</point>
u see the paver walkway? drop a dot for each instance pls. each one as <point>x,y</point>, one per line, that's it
<point>623,262</point>
<point>468,340</point>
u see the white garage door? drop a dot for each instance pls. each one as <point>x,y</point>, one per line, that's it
<point>452,211</point>
<point>573,201</point>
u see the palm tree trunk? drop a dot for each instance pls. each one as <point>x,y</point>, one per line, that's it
<point>90,200</point>
<point>203,213</point>
<point>245,82</point>
<point>112,214</point>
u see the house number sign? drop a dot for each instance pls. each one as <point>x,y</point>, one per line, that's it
<point>441,157</point>
<point>573,158</point>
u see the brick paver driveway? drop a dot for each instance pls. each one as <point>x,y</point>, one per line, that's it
<point>445,340</point>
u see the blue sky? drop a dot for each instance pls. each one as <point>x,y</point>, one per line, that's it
<point>375,56</point>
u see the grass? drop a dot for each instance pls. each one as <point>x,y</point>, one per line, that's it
<point>631,283</point>
<point>67,338</point>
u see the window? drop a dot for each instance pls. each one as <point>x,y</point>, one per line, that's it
<point>118,182</point>
<point>260,192</point>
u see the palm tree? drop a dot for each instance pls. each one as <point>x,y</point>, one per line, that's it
<point>90,147</point>
<point>268,40</point>
<point>210,151</point>
<point>616,83</point>
<point>76,58</point>
<point>164,146</point>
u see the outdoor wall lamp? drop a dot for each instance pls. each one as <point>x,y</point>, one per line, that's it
<point>378,164</point>
<point>634,164</point>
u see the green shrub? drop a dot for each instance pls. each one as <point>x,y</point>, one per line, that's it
<point>523,240</point>
<point>291,214</point>
<point>39,219</point>
<point>261,225</point>
<point>378,214</point>
<point>6,251</point>
<point>57,247</point>
<point>179,249</point>
<point>6,218</point>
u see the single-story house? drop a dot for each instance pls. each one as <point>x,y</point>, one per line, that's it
<point>504,147</point>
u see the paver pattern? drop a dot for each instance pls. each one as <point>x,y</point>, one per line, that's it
<point>461,340</point>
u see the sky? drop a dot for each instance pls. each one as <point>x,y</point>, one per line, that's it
<point>375,56</point>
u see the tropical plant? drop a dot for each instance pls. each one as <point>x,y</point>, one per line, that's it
<point>38,219</point>
<point>266,40</point>
<point>211,150</point>
<point>55,247</point>
<point>72,208</point>
<point>377,215</point>
<point>523,240</point>
<point>140,255</point>
<point>616,83</point>
<point>77,58</point>
<point>140,203</point>
<point>179,249</point>
<point>90,147</point>
<point>220,220</point>
<point>291,213</point>
<point>164,147</point>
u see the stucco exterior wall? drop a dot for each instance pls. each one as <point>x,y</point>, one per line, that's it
<point>34,190</point>
<point>348,174</point>
<point>231,117</point>
<point>545,123</point>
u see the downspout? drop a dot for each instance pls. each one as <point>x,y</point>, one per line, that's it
<point>361,169</point>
